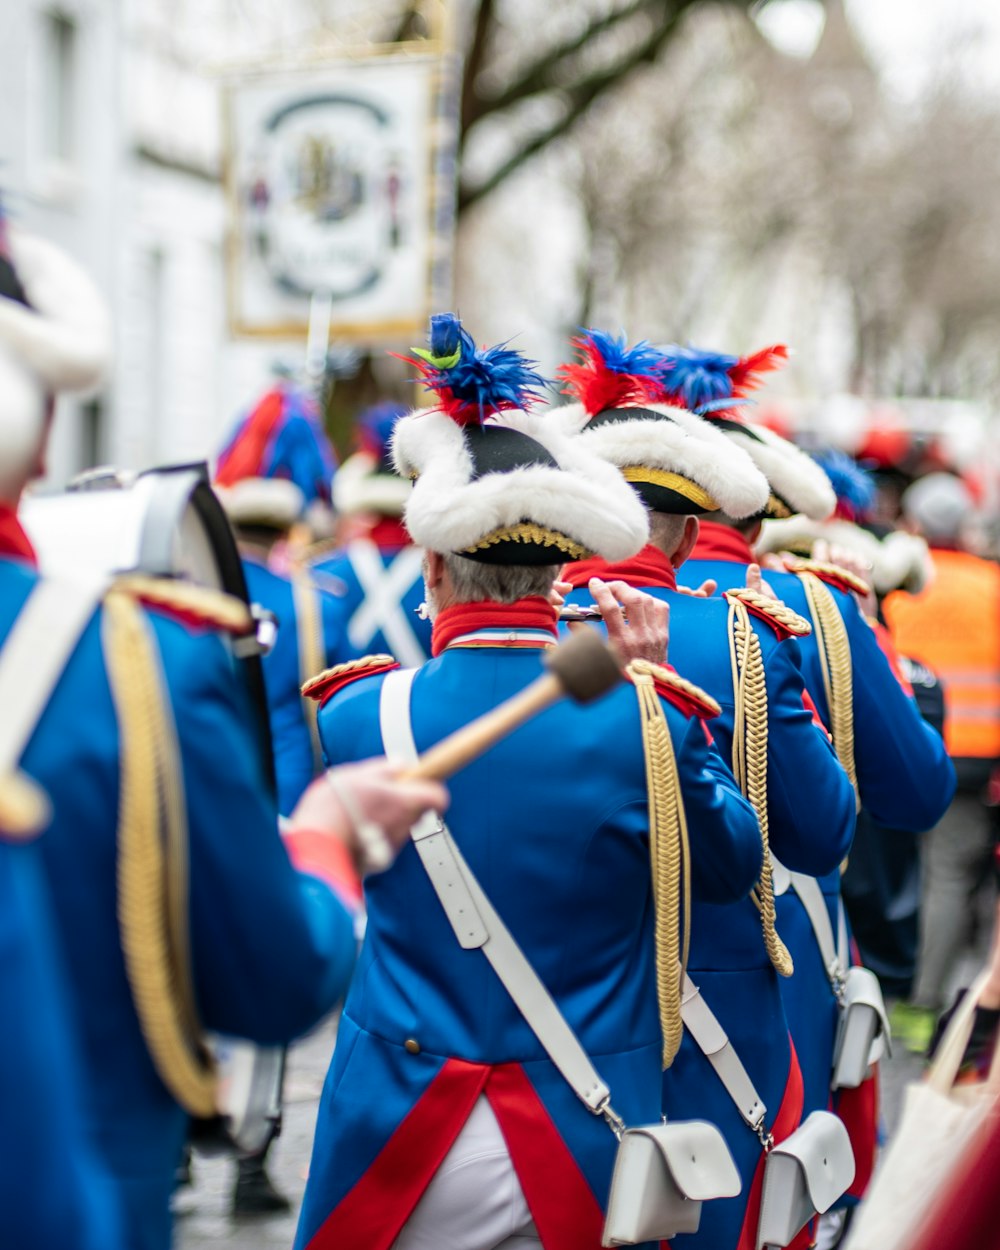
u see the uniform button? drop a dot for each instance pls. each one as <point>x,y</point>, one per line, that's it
<point>412,1046</point>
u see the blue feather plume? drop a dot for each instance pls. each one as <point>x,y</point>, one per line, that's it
<point>697,379</point>
<point>854,486</point>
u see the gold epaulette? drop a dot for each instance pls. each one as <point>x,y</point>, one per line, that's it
<point>684,694</point>
<point>194,605</point>
<point>832,574</point>
<point>326,684</point>
<point>773,611</point>
<point>319,550</point>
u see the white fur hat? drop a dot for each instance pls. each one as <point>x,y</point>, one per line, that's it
<point>899,561</point>
<point>674,460</point>
<point>54,336</point>
<point>496,483</point>
<point>713,385</point>
<point>798,484</point>
<point>271,502</point>
<point>366,481</point>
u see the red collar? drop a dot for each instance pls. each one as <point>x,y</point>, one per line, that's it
<point>465,618</point>
<point>648,567</point>
<point>719,542</point>
<point>389,533</point>
<point>13,540</point>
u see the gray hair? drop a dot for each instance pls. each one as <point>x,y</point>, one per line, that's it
<point>472,580</point>
<point>666,529</point>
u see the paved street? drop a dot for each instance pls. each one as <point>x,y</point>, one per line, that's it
<point>207,1222</point>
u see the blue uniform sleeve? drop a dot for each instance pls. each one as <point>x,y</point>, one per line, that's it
<point>53,1190</point>
<point>722,826</point>
<point>905,777</point>
<point>273,949</point>
<point>810,800</point>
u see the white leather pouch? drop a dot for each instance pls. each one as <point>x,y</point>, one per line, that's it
<point>862,1029</point>
<point>663,1173</point>
<point>804,1174</point>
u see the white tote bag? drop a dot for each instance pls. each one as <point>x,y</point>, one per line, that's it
<point>938,1121</point>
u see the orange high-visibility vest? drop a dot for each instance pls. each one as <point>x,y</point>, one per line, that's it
<point>953,626</point>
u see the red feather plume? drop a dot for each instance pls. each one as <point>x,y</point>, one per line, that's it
<point>747,373</point>
<point>597,387</point>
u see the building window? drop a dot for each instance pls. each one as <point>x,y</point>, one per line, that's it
<point>59,94</point>
<point>92,434</point>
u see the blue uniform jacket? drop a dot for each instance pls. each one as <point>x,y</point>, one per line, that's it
<point>811,823</point>
<point>905,780</point>
<point>54,1191</point>
<point>553,821</point>
<point>384,622</point>
<point>272,950</point>
<point>294,756</point>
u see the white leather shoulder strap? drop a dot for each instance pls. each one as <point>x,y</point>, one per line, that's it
<point>834,953</point>
<point>474,920</point>
<point>34,655</point>
<point>711,1039</point>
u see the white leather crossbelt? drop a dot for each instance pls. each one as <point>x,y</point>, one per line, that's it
<point>476,923</point>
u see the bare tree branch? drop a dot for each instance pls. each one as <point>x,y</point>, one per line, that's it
<point>580,96</point>
<point>470,108</point>
<point>541,75</point>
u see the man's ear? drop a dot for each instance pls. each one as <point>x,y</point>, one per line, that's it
<point>433,569</point>
<point>686,545</point>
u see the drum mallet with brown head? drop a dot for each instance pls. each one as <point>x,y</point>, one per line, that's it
<point>582,668</point>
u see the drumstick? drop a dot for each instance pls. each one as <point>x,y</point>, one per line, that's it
<point>584,667</point>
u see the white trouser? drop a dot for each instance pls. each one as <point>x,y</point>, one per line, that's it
<point>474,1201</point>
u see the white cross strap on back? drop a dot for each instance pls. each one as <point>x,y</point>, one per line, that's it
<point>382,607</point>
<point>476,923</point>
<point>713,1042</point>
<point>34,656</point>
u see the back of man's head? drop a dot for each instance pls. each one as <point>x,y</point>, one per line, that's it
<point>939,506</point>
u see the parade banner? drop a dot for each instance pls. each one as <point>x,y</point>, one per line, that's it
<point>340,179</point>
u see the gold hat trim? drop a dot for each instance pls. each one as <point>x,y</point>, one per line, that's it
<point>672,481</point>
<point>530,532</point>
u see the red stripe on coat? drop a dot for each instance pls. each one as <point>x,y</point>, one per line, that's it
<point>371,1215</point>
<point>787,1120</point>
<point>858,1109</point>
<point>562,1204</point>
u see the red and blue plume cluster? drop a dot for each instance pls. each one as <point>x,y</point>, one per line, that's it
<point>472,383</point>
<point>854,486</point>
<point>282,436</point>
<point>707,382</point>
<point>611,374</point>
<point>375,426</point>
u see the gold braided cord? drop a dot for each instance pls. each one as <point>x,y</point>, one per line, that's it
<point>838,669</point>
<point>529,532</point>
<point>24,806</point>
<point>842,576</point>
<point>670,858</point>
<point>668,677</point>
<point>150,817</point>
<point>313,689</point>
<point>773,609</point>
<point>212,606</point>
<point>750,761</point>
<point>309,623</point>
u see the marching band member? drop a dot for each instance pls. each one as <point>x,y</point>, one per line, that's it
<point>443,1122</point>
<point>309,636</point>
<point>902,773</point>
<point>176,903</point>
<point>41,1090</point>
<point>376,576</point>
<point>680,468</point>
